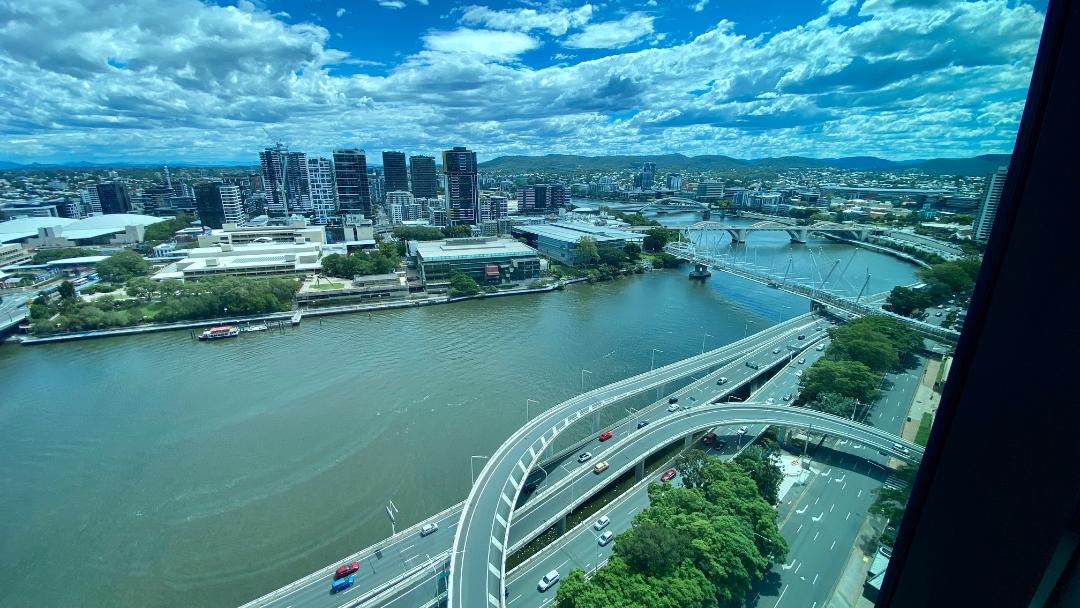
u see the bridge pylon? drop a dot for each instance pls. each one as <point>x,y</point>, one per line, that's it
<point>700,272</point>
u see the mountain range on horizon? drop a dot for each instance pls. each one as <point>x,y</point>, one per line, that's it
<point>665,163</point>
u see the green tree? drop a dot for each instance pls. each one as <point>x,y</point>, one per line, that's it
<point>166,230</point>
<point>666,260</point>
<point>954,275</point>
<point>907,301</point>
<point>848,378</point>
<point>656,238</point>
<point>142,287</point>
<point>837,405</point>
<point>462,284</point>
<point>587,253</point>
<point>44,256</point>
<point>690,465</point>
<point>633,251</point>
<point>66,291</point>
<point>457,232</point>
<point>612,256</point>
<point>758,464</point>
<point>864,344</point>
<point>418,233</point>
<point>120,267</point>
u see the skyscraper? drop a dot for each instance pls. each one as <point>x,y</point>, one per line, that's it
<point>114,198</point>
<point>296,183</point>
<point>462,193</point>
<point>321,189</point>
<point>350,175</point>
<point>988,211</point>
<point>219,204</point>
<point>376,186</point>
<point>397,176</point>
<point>422,169</point>
<point>648,175</point>
<point>540,198</point>
<point>90,200</point>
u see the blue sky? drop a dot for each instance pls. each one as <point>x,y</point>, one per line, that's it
<point>192,81</point>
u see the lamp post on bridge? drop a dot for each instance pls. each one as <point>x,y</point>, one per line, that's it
<point>707,334</point>
<point>583,372</point>
<point>527,417</point>
<point>472,474</point>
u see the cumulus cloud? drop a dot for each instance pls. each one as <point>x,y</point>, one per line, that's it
<point>394,4</point>
<point>484,43</point>
<point>183,80</point>
<point>612,34</point>
<point>341,12</point>
<point>700,5</point>
<point>526,19</point>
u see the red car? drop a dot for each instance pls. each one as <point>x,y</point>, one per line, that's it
<point>669,475</point>
<point>605,435</point>
<point>346,570</point>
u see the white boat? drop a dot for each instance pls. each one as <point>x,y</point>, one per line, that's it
<point>296,317</point>
<point>222,331</point>
<point>257,327</point>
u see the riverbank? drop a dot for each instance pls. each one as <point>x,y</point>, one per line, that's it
<point>880,249</point>
<point>282,316</point>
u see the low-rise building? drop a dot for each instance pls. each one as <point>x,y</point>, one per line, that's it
<point>116,229</point>
<point>488,260</point>
<point>296,231</point>
<point>12,254</point>
<point>368,288</point>
<point>559,241</point>
<point>256,259</point>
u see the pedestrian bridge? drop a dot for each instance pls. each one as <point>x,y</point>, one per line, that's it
<point>798,234</point>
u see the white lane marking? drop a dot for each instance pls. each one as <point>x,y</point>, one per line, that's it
<point>781,596</point>
<point>816,534</point>
<point>841,478</point>
<point>789,566</point>
<point>521,465</point>
<point>513,599</point>
<point>817,499</point>
<point>815,580</point>
<point>848,516</point>
<point>802,510</point>
<point>859,495</point>
<point>797,569</point>
<point>508,502</point>
<point>492,600</point>
<point>844,487</point>
<point>799,530</point>
<point>495,541</point>
<point>502,522</point>
<point>494,571</point>
<point>406,548</point>
<point>832,546</point>
<point>831,507</point>
<point>818,518</point>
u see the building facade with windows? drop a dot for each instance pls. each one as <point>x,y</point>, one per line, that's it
<point>114,198</point>
<point>488,260</point>
<point>321,189</point>
<point>351,182</point>
<point>542,198</point>
<point>219,204</point>
<point>422,172</point>
<point>394,171</point>
<point>462,187</point>
<point>988,211</point>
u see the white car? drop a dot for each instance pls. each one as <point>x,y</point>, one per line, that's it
<point>776,350</point>
<point>770,401</point>
<point>584,456</point>
<point>798,374</point>
<point>605,538</point>
<point>602,523</point>
<point>674,407</point>
<point>428,529</point>
<point>549,579</point>
<point>743,429</point>
<point>820,347</point>
<point>802,361</point>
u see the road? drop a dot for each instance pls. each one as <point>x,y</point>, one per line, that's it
<point>479,544</point>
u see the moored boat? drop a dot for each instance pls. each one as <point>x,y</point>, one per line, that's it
<point>221,331</point>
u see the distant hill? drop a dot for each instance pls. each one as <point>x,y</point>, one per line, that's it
<point>979,165</point>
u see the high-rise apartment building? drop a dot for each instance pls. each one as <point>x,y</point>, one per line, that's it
<point>462,189</point>
<point>114,197</point>
<point>493,207</point>
<point>284,177</point>
<point>673,181</point>
<point>541,198</point>
<point>219,204</point>
<point>394,171</point>
<point>403,207</point>
<point>710,190</point>
<point>321,189</point>
<point>376,185</point>
<point>422,171</point>
<point>351,178</point>
<point>985,222</point>
<point>91,202</point>
<point>648,176</point>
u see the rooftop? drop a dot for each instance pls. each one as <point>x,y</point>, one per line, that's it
<point>94,226</point>
<point>471,248</point>
<point>572,232</point>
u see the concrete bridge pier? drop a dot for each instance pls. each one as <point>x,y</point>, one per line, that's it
<point>560,526</point>
<point>706,215</point>
<point>738,235</point>
<point>639,470</point>
<point>596,421</point>
<point>700,272</point>
<point>799,236</point>
<point>688,440</point>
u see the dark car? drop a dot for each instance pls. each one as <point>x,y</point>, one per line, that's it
<point>605,436</point>
<point>642,424</point>
<point>346,570</point>
<point>672,399</point>
<point>719,445</point>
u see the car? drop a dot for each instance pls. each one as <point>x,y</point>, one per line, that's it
<point>798,374</point>
<point>600,467</point>
<point>885,551</point>
<point>721,381</point>
<point>937,314</point>
<point>787,397</point>
<point>342,584</point>
<point>605,436</point>
<point>833,322</point>
<point>719,445</point>
<point>770,401</point>
<point>817,328</point>
<point>601,523</point>
<point>429,529</point>
<point>776,350</point>
<point>642,424</point>
<point>584,456</point>
<point>549,579</point>
<point>802,361</point>
<point>605,538</point>
<point>346,570</point>
<point>669,475</point>
<point>743,429</point>
<point>752,365</point>
<point>802,336</point>
<point>674,407</point>
<point>900,448</point>
<point>820,347</point>
<point>672,399</point>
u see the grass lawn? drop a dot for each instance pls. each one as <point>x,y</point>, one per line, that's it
<point>924,429</point>
<point>325,286</point>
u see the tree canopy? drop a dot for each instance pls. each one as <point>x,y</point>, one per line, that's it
<point>122,266</point>
<point>358,264</point>
<point>44,256</point>
<point>166,230</point>
<point>587,253</point>
<point>848,378</point>
<point>656,238</point>
<point>462,284</point>
<point>758,464</point>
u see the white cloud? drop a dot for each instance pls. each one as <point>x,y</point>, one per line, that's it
<point>341,12</point>
<point>839,8</point>
<point>526,19</point>
<point>651,3</point>
<point>700,6</point>
<point>422,2</point>
<point>394,4</point>
<point>612,34</point>
<point>483,43</point>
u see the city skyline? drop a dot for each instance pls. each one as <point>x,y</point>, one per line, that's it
<point>778,78</point>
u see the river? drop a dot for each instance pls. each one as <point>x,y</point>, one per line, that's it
<point>157,471</point>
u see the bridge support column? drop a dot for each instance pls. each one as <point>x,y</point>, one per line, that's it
<point>706,215</point>
<point>799,236</point>
<point>688,440</point>
<point>560,526</point>
<point>639,471</point>
<point>700,272</point>
<point>595,421</point>
<point>738,235</point>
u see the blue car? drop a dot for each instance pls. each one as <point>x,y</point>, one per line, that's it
<point>342,584</point>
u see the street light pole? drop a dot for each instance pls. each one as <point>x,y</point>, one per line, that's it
<point>653,363</point>
<point>583,372</point>
<point>472,474</point>
<point>703,341</point>
<point>527,417</point>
